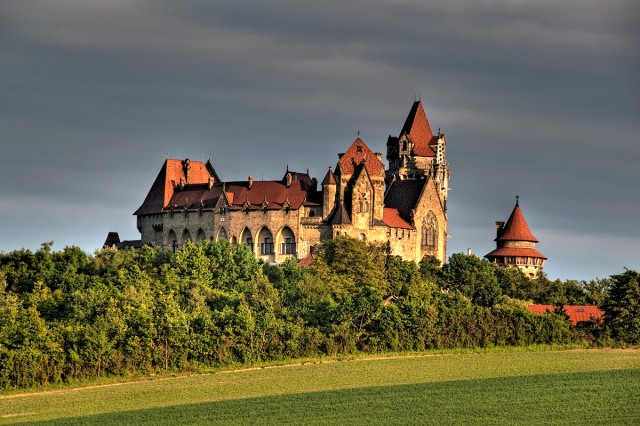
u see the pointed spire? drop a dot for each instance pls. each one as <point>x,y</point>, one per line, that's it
<point>517,228</point>
<point>329,178</point>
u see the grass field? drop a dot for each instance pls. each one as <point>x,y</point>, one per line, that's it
<point>491,387</point>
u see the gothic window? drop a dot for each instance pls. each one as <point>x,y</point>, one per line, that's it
<point>222,235</point>
<point>288,242</point>
<point>200,236</point>
<point>430,231</point>
<point>266,242</point>
<point>186,236</point>
<point>366,206</point>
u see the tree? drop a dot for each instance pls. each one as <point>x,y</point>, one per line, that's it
<point>473,277</point>
<point>622,307</point>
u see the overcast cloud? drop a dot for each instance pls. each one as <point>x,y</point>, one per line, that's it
<point>539,99</point>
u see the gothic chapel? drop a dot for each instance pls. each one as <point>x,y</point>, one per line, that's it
<point>404,205</point>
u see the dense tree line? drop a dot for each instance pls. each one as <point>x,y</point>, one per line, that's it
<point>67,315</point>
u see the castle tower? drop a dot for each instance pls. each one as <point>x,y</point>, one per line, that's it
<point>417,153</point>
<point>516,245</point>
<point>328,194</point>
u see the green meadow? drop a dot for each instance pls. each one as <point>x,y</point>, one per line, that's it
<point>499,386</point>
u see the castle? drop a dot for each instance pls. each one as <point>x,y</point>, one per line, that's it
<point>404,205</point>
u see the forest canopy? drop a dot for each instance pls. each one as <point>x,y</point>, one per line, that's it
<point>67,315</point>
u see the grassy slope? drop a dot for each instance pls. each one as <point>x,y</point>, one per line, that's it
<point>509,387</point>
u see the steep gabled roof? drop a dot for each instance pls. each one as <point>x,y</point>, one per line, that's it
<point>403,195</point>
<point>418,129</point>
<point>171,173</point>
<point>359,153</point>
<point>516,228</point>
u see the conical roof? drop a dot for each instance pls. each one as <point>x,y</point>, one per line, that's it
<point>329,178</point>
<point>418,129</point>
<point>516,228</point>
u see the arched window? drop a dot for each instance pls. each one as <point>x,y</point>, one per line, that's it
<point>222,235</point>
<point>287,241</point>
<point>246,238</point>
<point>186,237</point>
<point>200,236</point>
<point>366,206</point>
<point>172,240</point>
<point>430,231</point>
<point>363,237</point>
<point>265,238</point>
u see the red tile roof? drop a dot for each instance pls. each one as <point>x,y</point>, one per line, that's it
<point>576,313</point>
<point>516,228</point>
<point>392,219</point>
<point>418,129</point>
<point>306,261</point>
<point>275,193</point>
<point>166,191</point>
<point>516,252</point>
<point>168,179</point>
<point>359,153</point>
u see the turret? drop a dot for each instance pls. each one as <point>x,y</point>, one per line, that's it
<point>328,194</point>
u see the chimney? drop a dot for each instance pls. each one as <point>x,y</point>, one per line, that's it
<point>499,226</point>
<point>250,180</point>
<point>288,179</point>
<point>210,182</point>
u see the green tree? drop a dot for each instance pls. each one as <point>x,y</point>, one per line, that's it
<point>622,307</point>
<point>473,277</point>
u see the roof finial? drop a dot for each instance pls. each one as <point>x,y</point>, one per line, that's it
<point>517,200</point>
<point>358,132</point>
<point>167,154</point>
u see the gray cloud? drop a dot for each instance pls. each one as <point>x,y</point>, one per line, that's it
<point>536,98</point>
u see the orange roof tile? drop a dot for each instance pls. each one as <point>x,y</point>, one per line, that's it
<point>576,313</point>
<point>516,252</point>
<point>418,129</point>
<point>168,179</point>
<point>516,228</point>
<point>357,154</point>
<point>306,261</point>
<point>392,219</point>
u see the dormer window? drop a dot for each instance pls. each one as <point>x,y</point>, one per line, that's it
<point>359,148</point>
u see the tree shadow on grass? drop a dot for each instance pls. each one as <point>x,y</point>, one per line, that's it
<point>601,397</point>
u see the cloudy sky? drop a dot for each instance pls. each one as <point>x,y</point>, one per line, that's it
<point>537,98</point>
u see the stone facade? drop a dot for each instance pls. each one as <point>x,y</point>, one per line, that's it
<point>404,205</point>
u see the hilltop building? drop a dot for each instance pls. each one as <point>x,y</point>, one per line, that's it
<point>516,245</point>
<point>404,205</point>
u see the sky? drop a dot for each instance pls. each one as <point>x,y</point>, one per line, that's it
<point>539,99</point>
